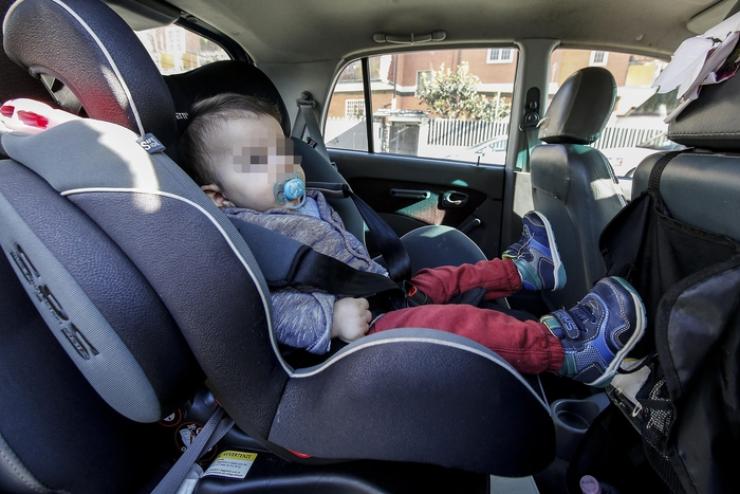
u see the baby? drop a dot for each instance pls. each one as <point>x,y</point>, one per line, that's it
<point>237,149</point>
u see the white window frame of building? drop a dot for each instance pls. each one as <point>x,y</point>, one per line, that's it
<point>351,107</point>
<point>496,55</point>
<point>595,54</point>
<point>419,75</point>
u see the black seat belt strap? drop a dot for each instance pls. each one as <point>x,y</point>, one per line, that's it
<point>657,172</point>
<point>390,246</point>
<point>306,127</point>
<point>285,262</point>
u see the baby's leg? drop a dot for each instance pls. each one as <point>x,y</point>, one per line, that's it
<point>532,263</point>
<point>587,342</point>
<point>499,277</point>
<point>527,345</point>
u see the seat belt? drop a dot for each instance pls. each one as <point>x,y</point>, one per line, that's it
<point>215,428</point>
<point>390,246</point>
<point>394,254</point>
<point>530,123</point>
<point>285,262</point>
<point>306,127</point>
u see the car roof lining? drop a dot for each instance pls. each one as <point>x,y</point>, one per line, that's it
<point>282,32</point>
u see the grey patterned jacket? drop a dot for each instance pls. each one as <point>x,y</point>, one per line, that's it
<point>302,318</point>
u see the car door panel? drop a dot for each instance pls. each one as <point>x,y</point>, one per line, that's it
<point>410,192</point>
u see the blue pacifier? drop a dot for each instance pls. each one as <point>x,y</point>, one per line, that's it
<point>289,191</point>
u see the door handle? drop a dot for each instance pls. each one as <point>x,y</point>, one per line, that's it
<point>454,199</point>
<point>411,194</point>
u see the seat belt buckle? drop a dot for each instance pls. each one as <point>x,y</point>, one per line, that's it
<point>414,296</point>
<point>311,142</point>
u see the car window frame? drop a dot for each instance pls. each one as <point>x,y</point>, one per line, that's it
<point>366,84</point>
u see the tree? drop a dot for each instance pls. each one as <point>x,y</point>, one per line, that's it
<point>453,94</point>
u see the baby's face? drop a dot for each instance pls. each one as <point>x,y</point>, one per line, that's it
<point>256,156</point>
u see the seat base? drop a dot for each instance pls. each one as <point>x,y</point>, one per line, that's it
<point>271,475</point>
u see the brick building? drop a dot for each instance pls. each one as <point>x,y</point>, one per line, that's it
<point>395,78</point>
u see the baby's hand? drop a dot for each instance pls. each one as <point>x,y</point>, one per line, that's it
<point>351,318</point>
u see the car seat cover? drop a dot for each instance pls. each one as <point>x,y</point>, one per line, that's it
<point>92,51</point>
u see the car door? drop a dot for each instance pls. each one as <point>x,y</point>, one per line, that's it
<point>433,152</point>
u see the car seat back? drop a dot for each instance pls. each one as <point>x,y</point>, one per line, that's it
<point>702,187</point>
<point>679,243</point>
<point>572,183</point>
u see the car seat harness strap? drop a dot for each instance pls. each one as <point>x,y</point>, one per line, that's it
<point>394,253</point>
<point>215,428</point>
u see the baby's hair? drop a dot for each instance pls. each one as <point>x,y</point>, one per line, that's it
<point>206,117</point>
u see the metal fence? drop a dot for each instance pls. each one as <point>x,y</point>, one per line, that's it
<point>438,135</point>
<point>444,132</point>
<point>627,137</point>
<point>466,133</point>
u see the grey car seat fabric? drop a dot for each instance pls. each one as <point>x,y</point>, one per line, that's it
<point>378,398</point>
<point>701,186</point>
<point>56,434</point>
<point>572,183</point>
<point>113,231</point>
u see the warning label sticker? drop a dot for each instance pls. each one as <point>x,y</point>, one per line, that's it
<point>232,464</point>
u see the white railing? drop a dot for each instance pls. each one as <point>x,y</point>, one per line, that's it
<point>438,135</point>
<point>626,137</point>
<point>444,132</point>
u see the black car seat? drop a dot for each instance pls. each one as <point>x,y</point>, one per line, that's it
<point>56,433</point>
<point>572,183</point>
<point>160,286</point>
<point>428,246</point>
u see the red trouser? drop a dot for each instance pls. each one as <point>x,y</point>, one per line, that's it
<point>527,345</point>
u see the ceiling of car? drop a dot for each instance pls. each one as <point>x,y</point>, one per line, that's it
<point>287,31</point>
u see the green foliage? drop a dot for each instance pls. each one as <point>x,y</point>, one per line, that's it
<point>453,94</point>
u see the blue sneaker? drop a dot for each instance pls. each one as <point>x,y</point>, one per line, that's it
<point>536,255</point>
<point>599,331</point>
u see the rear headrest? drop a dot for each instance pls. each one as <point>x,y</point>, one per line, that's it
<point>88,48</point>
<point>580,108</point>
<point>218,78</point>
<point>711,121</point>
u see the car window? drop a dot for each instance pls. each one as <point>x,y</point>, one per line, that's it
<point>447,104</point>
<point>636,127</point>
<point>174,49</point>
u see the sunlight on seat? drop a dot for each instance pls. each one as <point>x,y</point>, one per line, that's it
<point>603,188</point>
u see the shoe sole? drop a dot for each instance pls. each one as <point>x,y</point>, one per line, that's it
<point>559,269</point>
<point>641,321</point>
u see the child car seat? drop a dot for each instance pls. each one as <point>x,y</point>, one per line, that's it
<point>160,286</point>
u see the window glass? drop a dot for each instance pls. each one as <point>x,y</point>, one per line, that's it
<point>636,127</point>
<point>447,104</point>
<point>345,124</point>
<point>175,49</point>
<point>500,55</point>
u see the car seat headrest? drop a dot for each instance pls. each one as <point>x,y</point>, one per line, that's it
<point>16,81</point>
<point>580,109</point>
<point>710,122</point>
<point>88,56</point>
<point>227,76</point>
